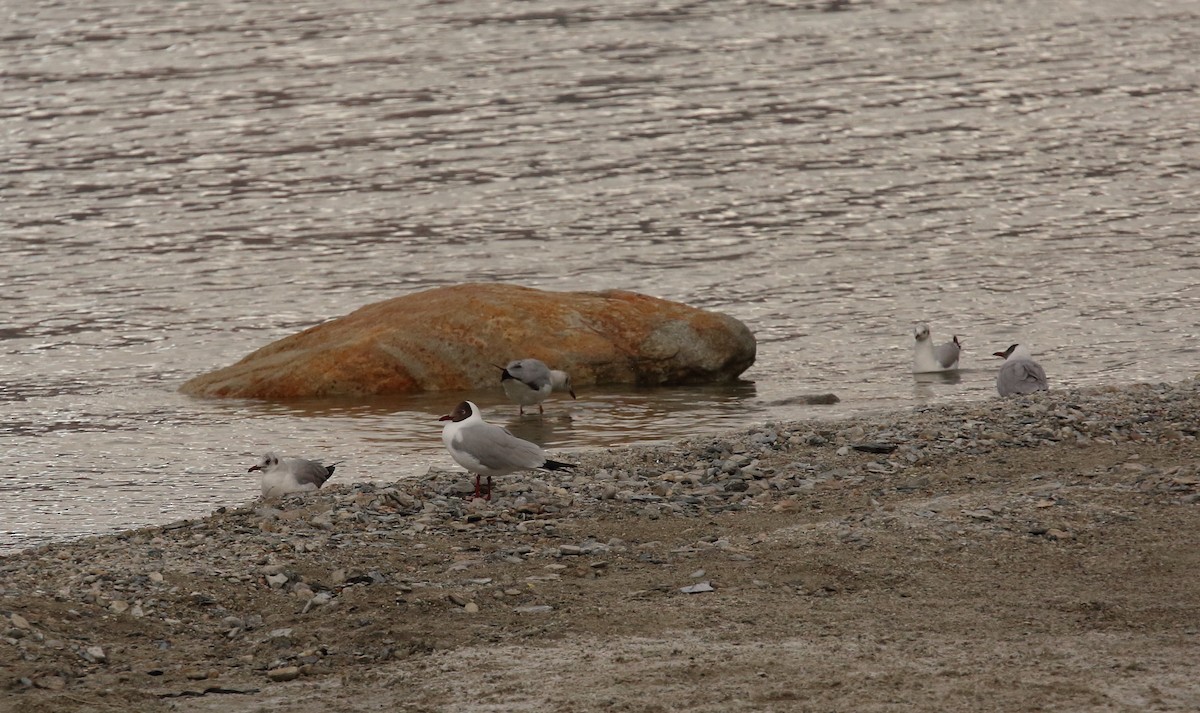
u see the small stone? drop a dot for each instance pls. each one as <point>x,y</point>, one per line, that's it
<point>534,609</point>
<point>471,608</point>
<point>276,581</point>
<point>50,683</point>
<point>698,588</point>
<point>95,654</point>
<point>570,550</point>
<point>19,621</point>
<point>875,447</point>
<point>287,673</point>
<point>118,606</point>
<point>697,574</point>
<point>156,577</point>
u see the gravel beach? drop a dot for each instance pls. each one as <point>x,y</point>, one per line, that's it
<point>1034,553</point>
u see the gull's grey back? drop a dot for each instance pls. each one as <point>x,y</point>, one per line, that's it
<point>947,354</point>
<point>1021,376</point>
<point>531,372</point>
<point>311,471</point>
<point>498,450</point>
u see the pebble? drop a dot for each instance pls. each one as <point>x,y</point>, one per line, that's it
<point>286,673</point>
<point>50,683</point>
<point>698,588</point>
<point>534,609</point>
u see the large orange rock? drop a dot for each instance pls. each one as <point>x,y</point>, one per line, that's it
<point>449,338</point>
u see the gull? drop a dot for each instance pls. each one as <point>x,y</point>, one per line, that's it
<point>927,358</point>
<point>290,475</point>
<point>530,381</point>
<point>1019,374</point>
<point>486,449</point>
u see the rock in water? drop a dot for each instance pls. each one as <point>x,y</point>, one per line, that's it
<point>449,338</point>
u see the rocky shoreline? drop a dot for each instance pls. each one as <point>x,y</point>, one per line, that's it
<point>358,578</point>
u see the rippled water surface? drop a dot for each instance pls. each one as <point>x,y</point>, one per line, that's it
<point>185,182</point>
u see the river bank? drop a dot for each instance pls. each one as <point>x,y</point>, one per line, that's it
<point>1006,555</point>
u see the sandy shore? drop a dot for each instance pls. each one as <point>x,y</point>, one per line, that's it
<point>1013,555</point>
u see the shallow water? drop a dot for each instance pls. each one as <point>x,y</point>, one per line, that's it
<point>186,182</point>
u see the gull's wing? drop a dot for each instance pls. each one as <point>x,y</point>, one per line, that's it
<point>531,372</point>
<point>947,354</point>
<point>494,448</point>
<point>1021,377</point>
<point>310,472</point>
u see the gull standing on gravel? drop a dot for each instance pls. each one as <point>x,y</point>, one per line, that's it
<point>1019,374</point>
<point>486,449</point>
<point>290,475</point>
<point>530,381</point>
<point>928,358</point>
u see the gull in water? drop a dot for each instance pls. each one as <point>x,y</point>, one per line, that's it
<point>1019,374</point>
<point>290,475</point>
<point>486,449</point>
<point>928,358</point>
<point>530,381</point>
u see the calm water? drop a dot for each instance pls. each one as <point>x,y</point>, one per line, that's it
<point>185,182</point>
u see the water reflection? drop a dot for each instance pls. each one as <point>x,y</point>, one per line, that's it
<point>928,386</point>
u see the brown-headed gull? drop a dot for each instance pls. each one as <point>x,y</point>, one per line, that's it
<point>928,358</point>
<point>1019,374</point>
<point>530,381</point>
<point>290,475</point>
<point>486,449</point>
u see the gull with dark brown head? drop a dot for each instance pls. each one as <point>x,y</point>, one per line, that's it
<point>290,475</point>
<point>530,381</point>
<point>486,449</point>
<point>1019,374</point>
